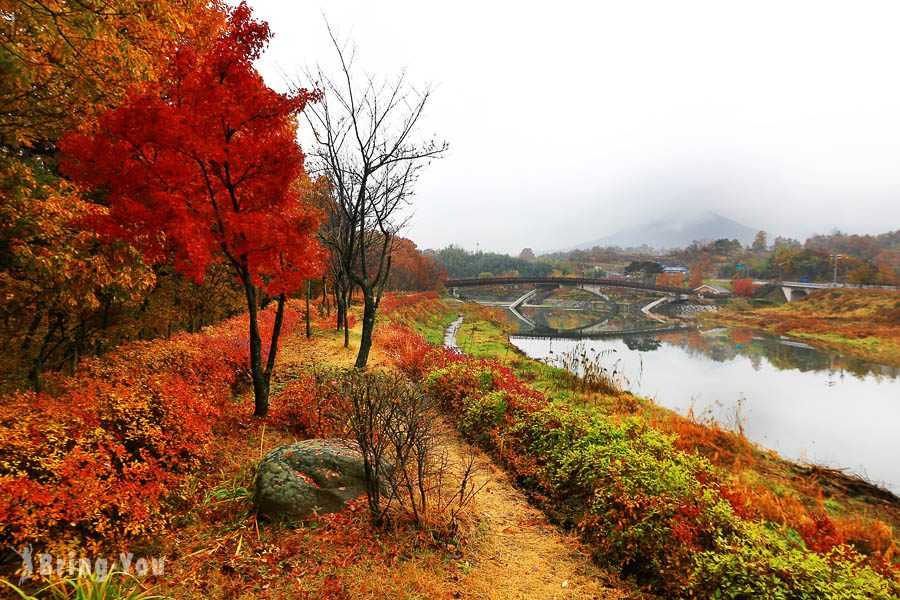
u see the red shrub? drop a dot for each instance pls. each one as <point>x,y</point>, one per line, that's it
<point>101,459</point>
<point>743,287</point>
<point>310,405</point>
<point>394,301</point>
<point>406,349</point>
<point>820,535</point>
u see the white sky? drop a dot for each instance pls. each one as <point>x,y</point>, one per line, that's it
<point>572,120</point>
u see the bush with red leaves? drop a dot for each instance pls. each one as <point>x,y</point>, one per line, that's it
<point>101,459</point>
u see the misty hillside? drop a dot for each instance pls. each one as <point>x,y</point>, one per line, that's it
<point>676,232</point>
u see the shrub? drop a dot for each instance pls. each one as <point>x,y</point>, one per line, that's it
<point>102,458</point>
<point>397,429</point>
<point>743,287</point>
<point>312,404</point>
<point>409,353</point>
<point>763,564</point>
<point>484,412</point>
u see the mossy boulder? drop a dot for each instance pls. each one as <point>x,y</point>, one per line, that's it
<point>309,477</point>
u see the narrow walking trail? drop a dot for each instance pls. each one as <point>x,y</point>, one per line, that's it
<point>518,553</point>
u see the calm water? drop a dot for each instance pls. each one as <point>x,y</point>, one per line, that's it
<point>805,404</point>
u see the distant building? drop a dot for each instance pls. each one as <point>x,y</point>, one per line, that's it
<point>712,291</point>
<point>682,270</point>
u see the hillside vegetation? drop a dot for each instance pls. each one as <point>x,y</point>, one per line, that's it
<point>862,323</point>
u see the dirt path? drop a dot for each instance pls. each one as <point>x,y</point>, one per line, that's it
<point>515,552</point>
<point>519,554</point>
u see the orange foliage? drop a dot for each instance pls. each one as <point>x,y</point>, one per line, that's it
<point>412,270</point>
<point>670,279</point>
<point>407,352</point>
<point>743,287</point>
<point>102,459</point>
<point>741,336</point>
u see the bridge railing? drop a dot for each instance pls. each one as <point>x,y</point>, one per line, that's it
<point>831,285</point>
<point>566,281</point>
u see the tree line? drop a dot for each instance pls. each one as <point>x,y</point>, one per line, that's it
<point>461,263</point>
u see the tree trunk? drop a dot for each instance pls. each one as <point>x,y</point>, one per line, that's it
<point>276,334</point>
<point>343,312</point>
<point>346,326</point>
<point>257,374</point>
<point>308,327</point>
<point>325,305</point>
<point>32,329</point>
<point>368,326</point>
<point>340,308</point>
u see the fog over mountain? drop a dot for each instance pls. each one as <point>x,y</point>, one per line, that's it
<point>676,231</point>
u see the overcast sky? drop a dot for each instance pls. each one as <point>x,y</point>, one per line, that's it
<point>569,121</point>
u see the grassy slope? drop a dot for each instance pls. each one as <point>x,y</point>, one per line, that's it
<point>861,323</point>
<point>784,492</point>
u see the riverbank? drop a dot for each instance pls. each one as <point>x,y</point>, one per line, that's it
<point>810,511</point>
<point>860,323</point>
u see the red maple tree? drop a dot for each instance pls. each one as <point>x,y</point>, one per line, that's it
<point>743,287</point>
<point>204,166</point>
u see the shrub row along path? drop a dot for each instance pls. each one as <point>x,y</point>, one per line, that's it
<point>515,551</point>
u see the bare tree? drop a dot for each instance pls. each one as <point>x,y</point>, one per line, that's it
<point>368,149</point>
<point>403,442</point>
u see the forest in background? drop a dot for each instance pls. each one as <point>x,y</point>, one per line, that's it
<point>861,260</point>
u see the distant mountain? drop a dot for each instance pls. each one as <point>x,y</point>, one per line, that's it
<point>676,232</point>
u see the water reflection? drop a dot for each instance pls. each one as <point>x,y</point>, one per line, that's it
<point>719,344</point>
<point>723,344</point>
<point>804,403</point>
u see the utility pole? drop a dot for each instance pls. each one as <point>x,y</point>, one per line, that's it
<point>836,257</point>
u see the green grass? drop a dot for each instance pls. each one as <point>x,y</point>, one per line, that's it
<point>483,340</point>
<point>434,329</point>
<point>435,326</point>
<point>866,343</point>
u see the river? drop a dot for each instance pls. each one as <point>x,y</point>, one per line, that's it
<point>806,404</point>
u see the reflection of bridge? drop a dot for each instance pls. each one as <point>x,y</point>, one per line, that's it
<point>544,286</point>
<point>606,333</point>
<point>589,329</point>
<point>588,284</point>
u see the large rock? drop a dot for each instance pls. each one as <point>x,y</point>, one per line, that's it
<point>308,477</point>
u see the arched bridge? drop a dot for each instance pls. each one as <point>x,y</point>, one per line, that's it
<point>545,285</point>
<point>588,284</point>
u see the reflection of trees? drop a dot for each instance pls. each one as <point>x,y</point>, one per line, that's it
<point>642,343</point>
<point>719,345</point>
<point>755,361</point>
<point>757,346</point>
